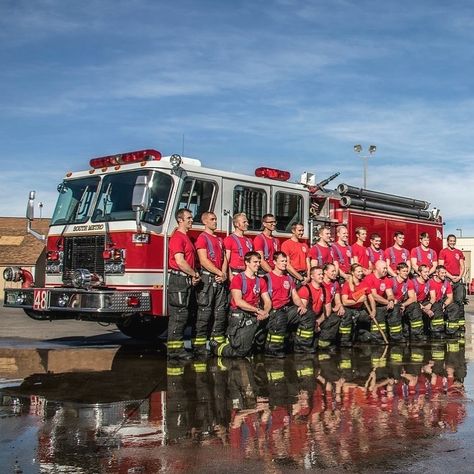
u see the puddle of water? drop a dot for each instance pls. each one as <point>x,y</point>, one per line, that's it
<point>359,409</point>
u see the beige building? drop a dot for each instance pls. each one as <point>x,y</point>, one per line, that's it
<point>466,244</point>
<point>18,248</point>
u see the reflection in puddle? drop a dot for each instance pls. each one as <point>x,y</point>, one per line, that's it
<point>355,408</point>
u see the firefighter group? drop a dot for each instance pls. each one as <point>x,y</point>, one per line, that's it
<point>244,296</point>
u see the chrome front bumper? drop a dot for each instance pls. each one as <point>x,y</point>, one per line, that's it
<point>76,300</point>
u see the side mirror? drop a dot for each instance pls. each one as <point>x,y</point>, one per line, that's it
<point>30,208</point>
<point>141,194</point>
<point>30,215</point>
<point>140,198</point>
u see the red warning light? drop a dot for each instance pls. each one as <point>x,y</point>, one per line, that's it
<point>272,173</point>
<point>125,158</point>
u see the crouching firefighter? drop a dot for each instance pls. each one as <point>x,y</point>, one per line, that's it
<point>443,307</point>
<point>381,289</point>
<point>418,303</point>
<point>333,308</point>
<point>401,285</point>
<point>358,303</point>
<point>287,311</point>
<point>312,298</point>
<point>248,292</point>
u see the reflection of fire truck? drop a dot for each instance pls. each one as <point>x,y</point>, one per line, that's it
<point>109,232</point>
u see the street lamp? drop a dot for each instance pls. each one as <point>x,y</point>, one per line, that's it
<point>372,149</point>
<point>460,232</point>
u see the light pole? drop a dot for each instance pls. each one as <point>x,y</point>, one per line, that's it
<point>460,232</point>
<point>372,149</point>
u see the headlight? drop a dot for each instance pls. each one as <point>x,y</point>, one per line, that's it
<point>12,274</point>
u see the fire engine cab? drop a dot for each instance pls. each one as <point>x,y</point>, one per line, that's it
<point>106,250</point>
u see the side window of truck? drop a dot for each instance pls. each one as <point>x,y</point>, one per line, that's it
<point>288,208</point>
<point>197,195</point>
<point>253,202</point>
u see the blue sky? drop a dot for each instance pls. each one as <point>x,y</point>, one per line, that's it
<point>287,83</point>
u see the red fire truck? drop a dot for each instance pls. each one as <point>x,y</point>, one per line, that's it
<point>108,240</point>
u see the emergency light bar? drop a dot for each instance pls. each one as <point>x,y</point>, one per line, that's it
<point>272,173</point>
<point>125,158</point>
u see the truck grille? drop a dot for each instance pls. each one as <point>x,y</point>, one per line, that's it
<point>83,252</point>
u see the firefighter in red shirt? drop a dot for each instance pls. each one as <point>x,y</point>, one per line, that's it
<point>380,287</point>
<point>358,302</point>
<point>423,254</point>
<point>454,261</point>
<point>182,278</point>
<point>401,286</point>
<point>265,244</point>
<point>248,294</point>
<point>321,252</point>
<point>287,310</point>
<point>297,252</point>
<point>342,253</point>
<point>237,245</point>
<point>359,250</point>
<point>397,253</point>
<point>312,296</point>
<point>375,250</point>
<point>419,303</point>
<point>333,308</point>
<point>211,293</point>
<point>442,294</point>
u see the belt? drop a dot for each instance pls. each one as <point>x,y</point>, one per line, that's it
<point>236,270</point>
<point>180,273</point>
<point>285,307</point>
<point>205,272</point>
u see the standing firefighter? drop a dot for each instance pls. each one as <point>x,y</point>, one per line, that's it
<point>397,253</point>
<point>296,250</point>
<point>248,292</point>
<point>423,254</point>
<point>237,245</point>
<point>342,253</point>
<point>182,278</point>
<point>265,244</point>
<point>212,291</point>
<point>454,261</point>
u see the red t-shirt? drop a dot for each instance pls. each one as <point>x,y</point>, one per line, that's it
<point>441,288</point>
<point>422,290</point>
<point>281,287</point>
<point>237,252</point>
<point>452,260</point>
<point>267,245</point>
<point>396,256</point>
<point>343,255</point>
<point>375,255</point>
<point>362,254</point>
<point>346,290</point>
<point>380,285</point>
<point>321,254</point>
<point>297,252</point>
<point>423,257</point>
<point>213,245</point>
<point>400,288</point>
<point>331,289</point>
<point>181,243</point>
<point>314,295</point>
<point>255,287</point>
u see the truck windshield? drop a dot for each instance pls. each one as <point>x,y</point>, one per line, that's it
<point>75,199</point>
<point>115,198</point>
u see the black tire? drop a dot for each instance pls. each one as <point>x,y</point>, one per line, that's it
<point>145,328</point>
